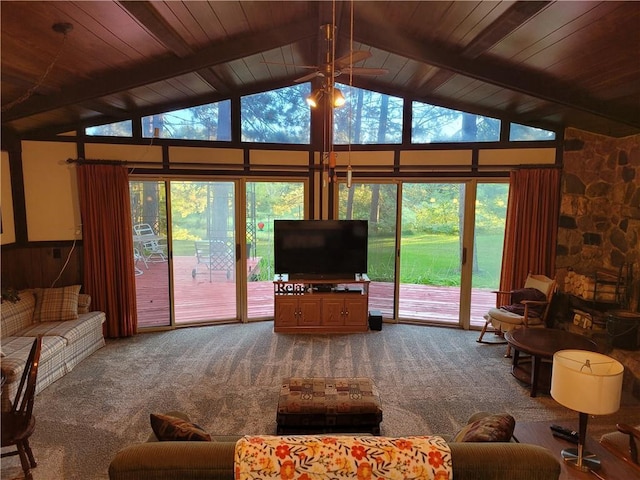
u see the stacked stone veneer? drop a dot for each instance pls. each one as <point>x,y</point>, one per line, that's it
<point>599,224</point>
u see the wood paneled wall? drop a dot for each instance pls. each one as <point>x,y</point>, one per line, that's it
<point>40,265</point>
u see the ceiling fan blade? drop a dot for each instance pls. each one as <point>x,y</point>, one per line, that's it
<point>313,67</point>
<point>351,58</point>
<point>364,71</point>
<point>308,76</point>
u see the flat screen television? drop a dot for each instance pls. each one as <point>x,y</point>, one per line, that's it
<point>320,249</point>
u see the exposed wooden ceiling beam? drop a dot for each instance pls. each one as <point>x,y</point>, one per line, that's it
<point>148,16</point>
<point>494,72</point>
<point>163,69</point>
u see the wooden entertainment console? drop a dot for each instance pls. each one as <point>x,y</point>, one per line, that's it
<point>321,306</point>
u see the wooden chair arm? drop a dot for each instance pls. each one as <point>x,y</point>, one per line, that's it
<point>633,433</point>
<point>534,302</point>
<point>629,430</point>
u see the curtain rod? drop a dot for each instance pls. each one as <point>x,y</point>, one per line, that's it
<point>82,161</point>
<point>262,166</point>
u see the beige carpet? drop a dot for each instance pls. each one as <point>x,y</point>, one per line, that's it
<point>227,379</point>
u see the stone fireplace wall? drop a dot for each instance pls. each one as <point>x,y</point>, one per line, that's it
<point>599,225</point>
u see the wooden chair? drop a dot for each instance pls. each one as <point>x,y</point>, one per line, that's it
<point>623,443</point>
<point>502,319</point>
<point>18,423</point>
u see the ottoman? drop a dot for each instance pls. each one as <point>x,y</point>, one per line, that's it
<point>328,405</point>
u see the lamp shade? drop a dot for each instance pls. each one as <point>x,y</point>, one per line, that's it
<point>586,382</point>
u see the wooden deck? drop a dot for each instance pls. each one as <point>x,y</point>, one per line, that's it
<point>209,299</point>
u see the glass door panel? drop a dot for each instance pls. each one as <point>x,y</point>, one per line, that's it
<point>490,216</point>
<point>151,252</point>
<point>430,252</point>
<point>204,251</point>
<point>376,203</point>
<point>266,201</point>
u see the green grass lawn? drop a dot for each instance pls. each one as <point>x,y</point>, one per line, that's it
<point>428,259</point>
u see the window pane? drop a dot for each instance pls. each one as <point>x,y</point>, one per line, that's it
<point>204,122</point>
<point>119,129</point>
<point>266,202</point>
<point>376,203</point>
<point>433,124</point>
<point>367,117</point>
<point>523,133</point>
<point>277,116</point>
<point>430,253</point>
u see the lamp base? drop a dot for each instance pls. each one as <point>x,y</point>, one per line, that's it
<point>589,460</point>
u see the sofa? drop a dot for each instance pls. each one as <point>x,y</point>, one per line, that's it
<point>188,459</point>
<point>70,333</point>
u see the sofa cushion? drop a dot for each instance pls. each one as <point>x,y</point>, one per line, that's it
<point>168,428</point>
<point>18,315</point>
<point>489,428</point>
<point>16,350</point>
<point>56,304</point>
<point>69,330</point>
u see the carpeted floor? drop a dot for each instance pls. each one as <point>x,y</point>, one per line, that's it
<point>227,379</point>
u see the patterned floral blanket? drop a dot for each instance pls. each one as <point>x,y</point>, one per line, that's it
<point>310,457</point>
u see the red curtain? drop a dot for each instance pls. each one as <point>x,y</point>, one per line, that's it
<point>531,227</point>
<point>109,275</point>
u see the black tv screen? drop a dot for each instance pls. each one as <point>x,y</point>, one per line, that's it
<point>318,249</point>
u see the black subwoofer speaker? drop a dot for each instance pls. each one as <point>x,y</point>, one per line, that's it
<point>375,320</point>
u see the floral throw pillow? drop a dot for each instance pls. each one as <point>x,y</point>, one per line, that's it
<point>345,457</point>
<point>168,428</point>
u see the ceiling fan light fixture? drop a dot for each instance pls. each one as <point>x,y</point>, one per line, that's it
<point>338,98</point>
<point>314,98</point>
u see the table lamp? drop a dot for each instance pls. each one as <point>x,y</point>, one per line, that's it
<point>591,384</point>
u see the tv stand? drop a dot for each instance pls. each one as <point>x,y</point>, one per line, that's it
<point>316,306</point>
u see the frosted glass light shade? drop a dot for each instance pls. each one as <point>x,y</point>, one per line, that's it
<point>586,382</point>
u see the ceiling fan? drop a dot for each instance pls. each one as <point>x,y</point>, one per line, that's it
<point>339,66</point>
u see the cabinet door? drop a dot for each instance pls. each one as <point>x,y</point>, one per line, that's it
<point>355,310</point>
<point>333,310</point>
<point>286,310</point>
<point>309,306</point>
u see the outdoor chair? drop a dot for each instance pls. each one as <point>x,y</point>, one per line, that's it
<point>527,307</point>
<point>148,243</point>
<point>18,423</point>
<point>215,255</point>
<point>137,256</point>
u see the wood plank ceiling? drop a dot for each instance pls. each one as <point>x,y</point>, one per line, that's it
<point>547,64</point>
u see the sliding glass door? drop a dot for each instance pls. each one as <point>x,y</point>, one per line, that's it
<point>203,233</point>
<point>266,201</point>
<point>431,252</point>
<point>377,203</point>
<point>196,256</point>
<point>429,269</point>
<point>490,217</point>
<point>150,252</point>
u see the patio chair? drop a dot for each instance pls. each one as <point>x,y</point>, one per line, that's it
<point>216,255</point>
<point>148,243</point>
<point>528,307</point>
<point>137,256</point>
